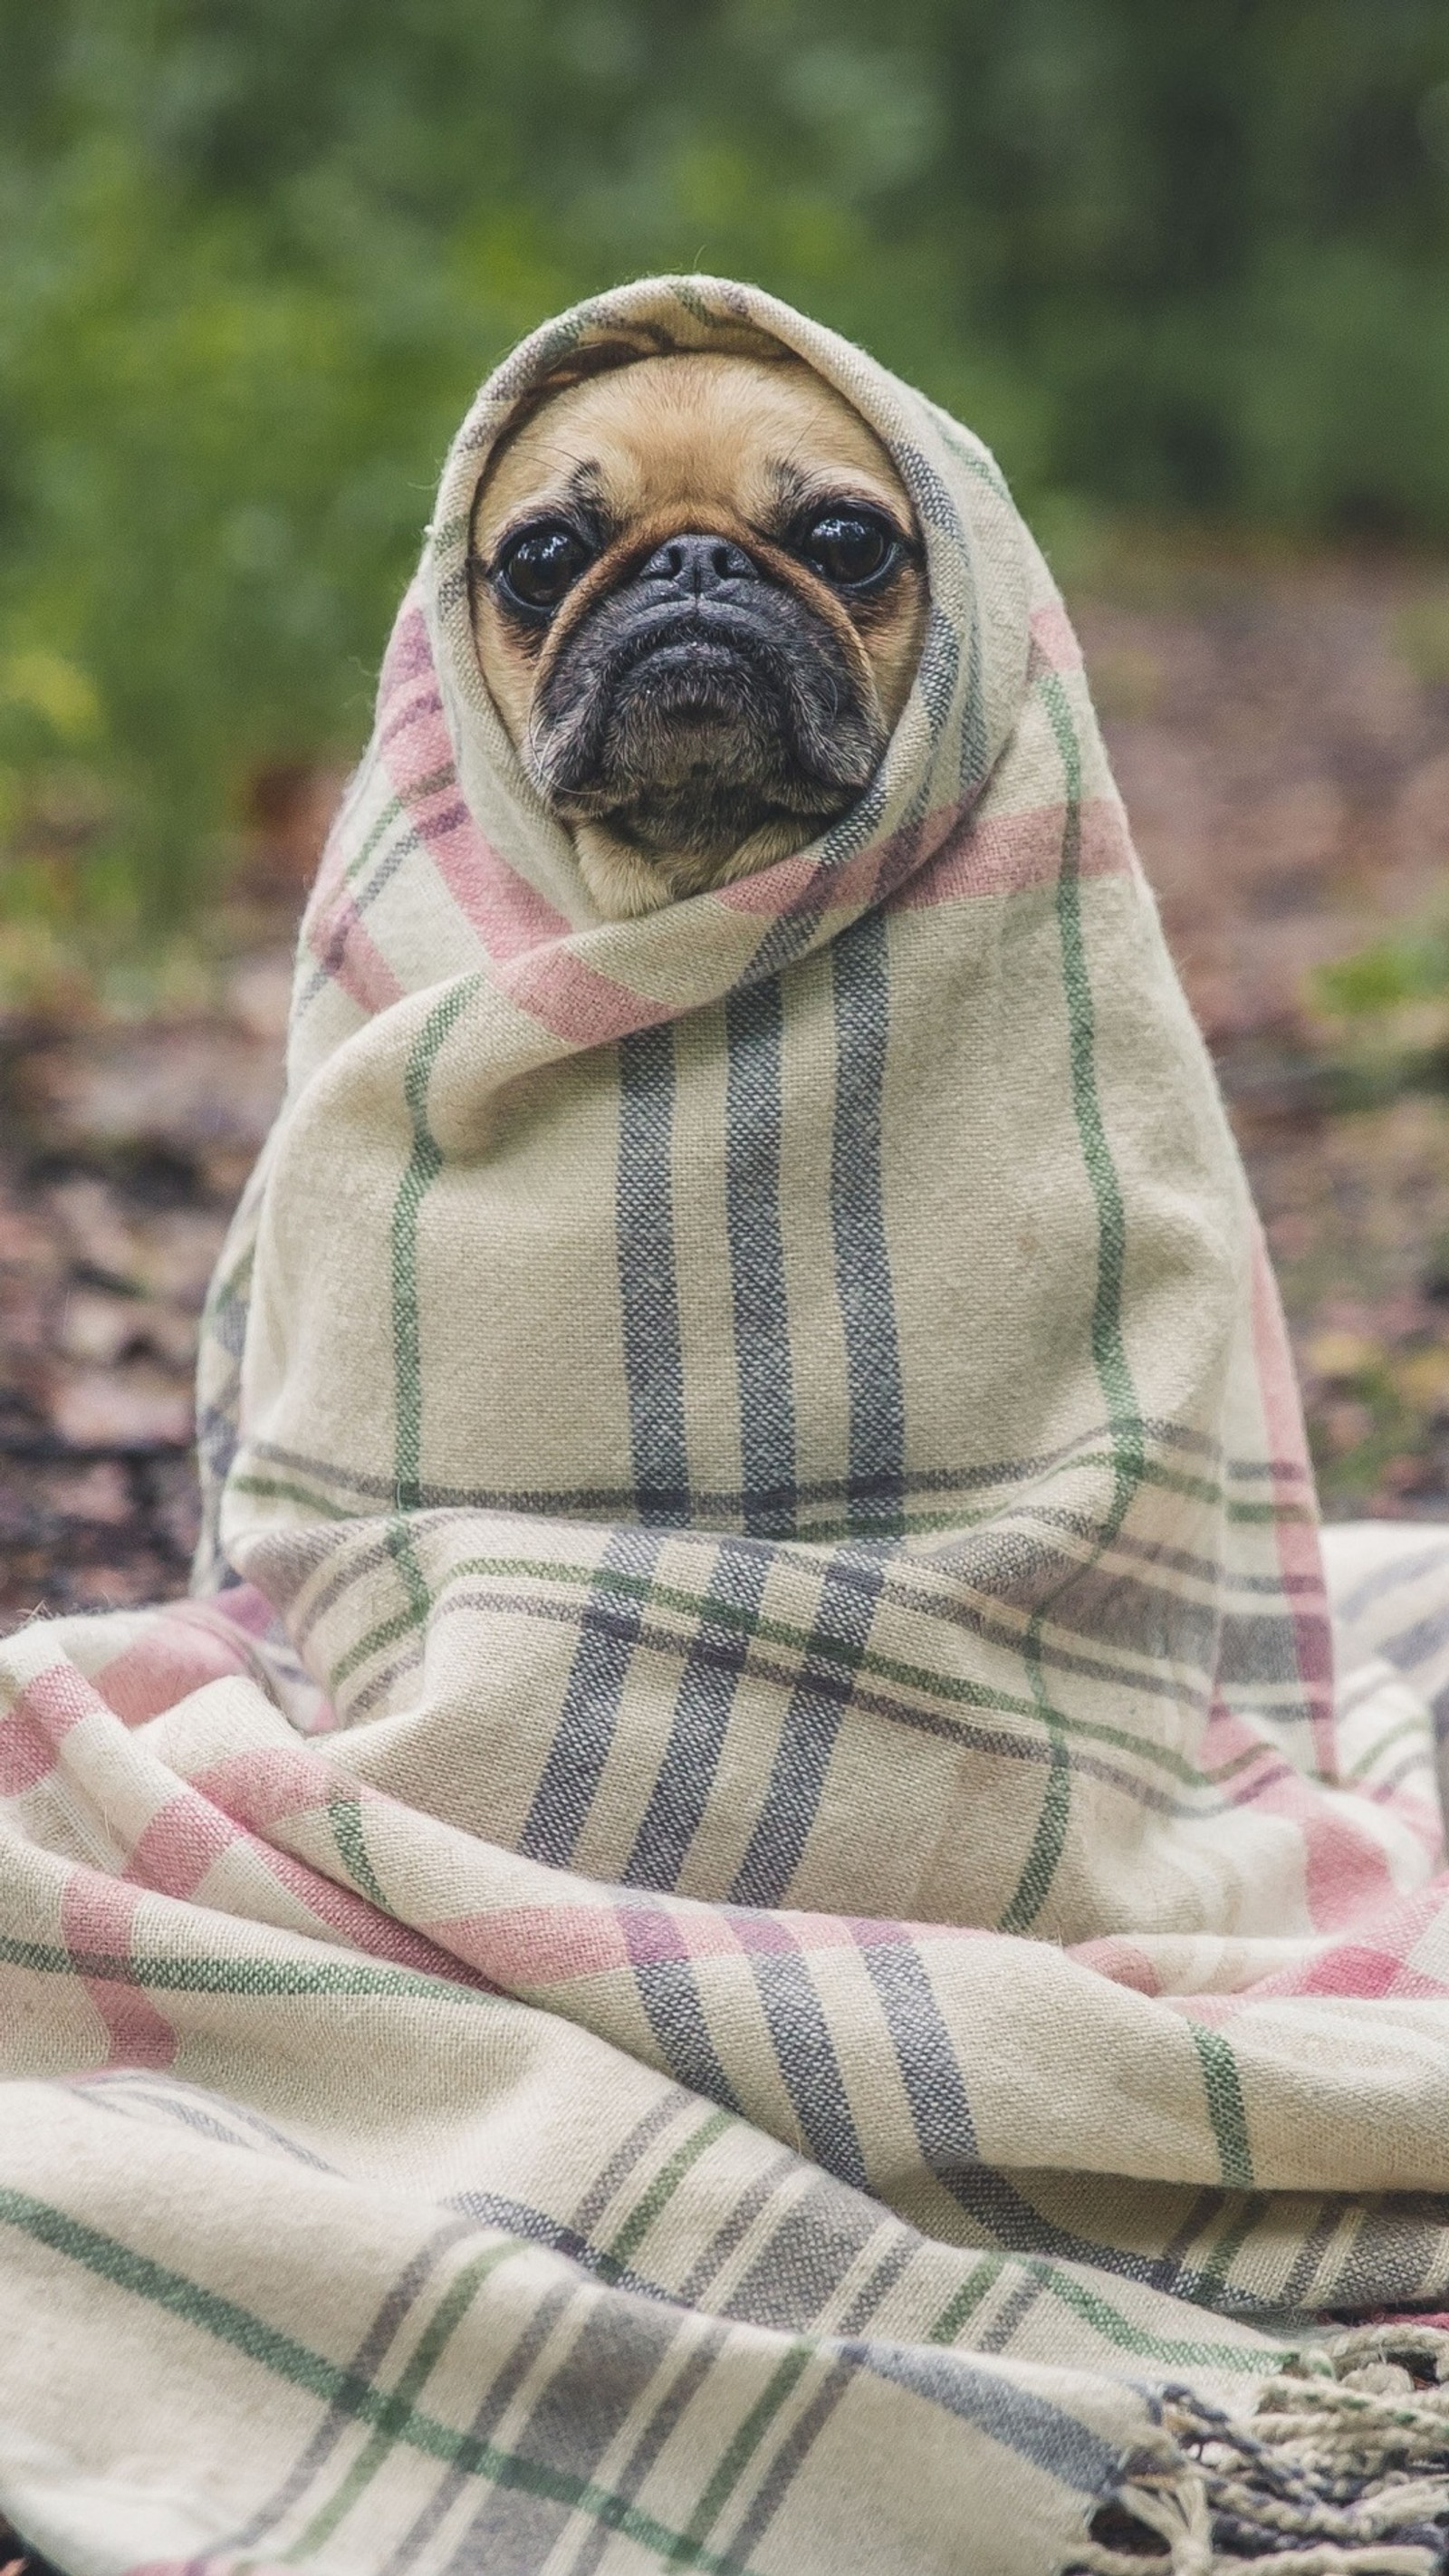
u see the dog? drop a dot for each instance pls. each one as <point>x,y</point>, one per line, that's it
<point>698,599</point>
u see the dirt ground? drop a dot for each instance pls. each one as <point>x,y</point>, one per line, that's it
<point>1281,735</point>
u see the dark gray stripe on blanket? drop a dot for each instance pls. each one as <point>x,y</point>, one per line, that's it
<point>454,2479</point>
<point>535,2226</point>
<point>860,968</point>
<point>665,2421</point>
<point>925,2053</point>
<point>793,932</point>
<point>1261,1646</point>
<point>711,1506</point>
<point>808,2254</point>
<point>1009,2413</point>
<point>874,2292</point>
<point>813,1720</point>
<point>754,1026</point>
<point>807,2062</point>
<point>732,2231</point>
<point>648,1289</point>
<point>1417,1646</point>
<point>578,2412</point>
<point>1013,2313</point>
<point>995,2206</point>
<point>990,1733</point>
<point>975,745</point>
<point>702,1710</point>
<point>1299,2277</point>
<point>797,2273</point>
<point>1396,2257</point>
<point>665,1982</point>
<point>190,2108</point>
<point>608,1633</point>
<point>1386,1579</point>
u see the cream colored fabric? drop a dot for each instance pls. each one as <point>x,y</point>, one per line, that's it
<point>749,1916</point>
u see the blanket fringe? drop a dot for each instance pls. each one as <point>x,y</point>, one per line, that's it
<point>1341,2470</point>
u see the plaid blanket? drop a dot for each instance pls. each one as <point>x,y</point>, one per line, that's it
<point>754,1922</point>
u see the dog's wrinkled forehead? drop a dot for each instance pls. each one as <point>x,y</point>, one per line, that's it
<point>749,438</point>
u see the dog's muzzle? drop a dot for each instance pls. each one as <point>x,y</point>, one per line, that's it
<point>698,638</point>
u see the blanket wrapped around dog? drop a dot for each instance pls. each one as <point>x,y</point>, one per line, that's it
<point>743,1929</point>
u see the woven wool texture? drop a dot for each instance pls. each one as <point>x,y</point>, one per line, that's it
<point>745,1915</point>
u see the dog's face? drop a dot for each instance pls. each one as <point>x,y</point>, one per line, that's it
<point>698,604</point>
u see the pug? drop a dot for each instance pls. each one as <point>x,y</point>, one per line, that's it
<point>698,601</point>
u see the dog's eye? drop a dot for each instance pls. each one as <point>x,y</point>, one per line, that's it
<point>848,547</point>
<point>543,563</point>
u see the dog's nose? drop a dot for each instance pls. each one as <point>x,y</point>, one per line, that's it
<point>698,565</point>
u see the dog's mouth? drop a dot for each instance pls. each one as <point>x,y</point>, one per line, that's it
<point>705,655</point>
<point>705,674</point>
<point>692,667</point>
<point>689,727</point>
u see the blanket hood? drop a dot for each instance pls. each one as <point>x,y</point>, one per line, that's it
<point>869,1226</point>
<point>969,682</point>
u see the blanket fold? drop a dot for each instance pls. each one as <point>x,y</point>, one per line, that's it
<point>776,1909</point>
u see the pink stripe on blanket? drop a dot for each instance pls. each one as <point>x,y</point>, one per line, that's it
<point>528,1946</point>
<point>96,1919</point>
<point>559,988</point>
<point>180,1844</point>
<point>32,1731</point>
<point>767,1935</point>
<point>682,1932</point>
<point>241,1606</point>
<point>995,854</point>
<point>508,913</point>
<point>791,886</point>
<point>801,884</point>
<point>539,1945</point>
<point>347,952</point>
<point>1055,640</point>
<point>1374,1961</point>
<point>408,655</point>
<point>365,1926</point>
<point>258,1791</point>
<point>1346,1871</point>
<point>509,916</point>
<point>1354,1969</point>
<point>178,1654</point>
<point>1235,1759</point>
<point>26,1752</point>
<point>1120,1959</point>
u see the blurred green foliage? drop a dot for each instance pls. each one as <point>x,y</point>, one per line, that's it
<point>1183,258</point>
<point>1411,965</point>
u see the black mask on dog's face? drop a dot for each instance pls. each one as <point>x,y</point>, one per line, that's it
<point>698,606</point>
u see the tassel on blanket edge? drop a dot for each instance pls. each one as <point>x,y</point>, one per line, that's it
<point>1342,2469</point>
